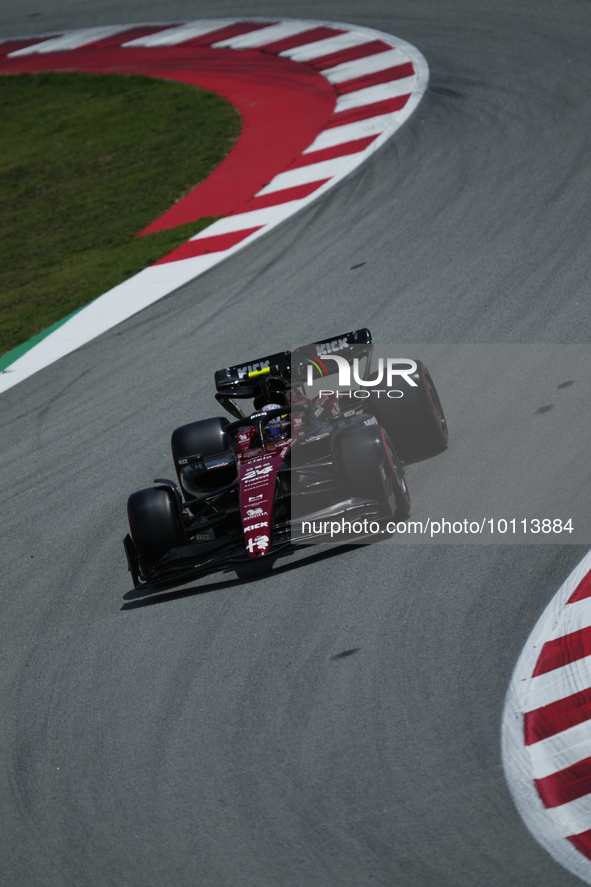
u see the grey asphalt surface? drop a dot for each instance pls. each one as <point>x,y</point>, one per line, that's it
<point>214,735</point>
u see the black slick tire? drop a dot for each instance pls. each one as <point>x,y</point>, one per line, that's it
<point>415,422</point>
<point>371,470</point>
<point>154,524</point>
<point>206,438</point>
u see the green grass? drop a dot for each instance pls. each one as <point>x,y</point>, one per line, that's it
<point>86,162</point>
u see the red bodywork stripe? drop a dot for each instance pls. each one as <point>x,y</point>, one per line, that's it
<point>387,450</point>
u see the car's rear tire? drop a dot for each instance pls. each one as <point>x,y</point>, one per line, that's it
<point>155,525</point>
<point>415,423</point>
<point>371,470</point>
<point>206,438</point>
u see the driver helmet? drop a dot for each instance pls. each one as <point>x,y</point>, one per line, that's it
<point>279,427</point>
<point>270,393</point>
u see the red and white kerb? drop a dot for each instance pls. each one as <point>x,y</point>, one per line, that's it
<point>547,726</point>
<point>316,99</point>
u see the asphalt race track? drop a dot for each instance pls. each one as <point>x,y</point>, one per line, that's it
<point>214,735</point>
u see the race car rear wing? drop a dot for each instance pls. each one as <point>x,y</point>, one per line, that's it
<point>357,344</point>
<point>239,381</point>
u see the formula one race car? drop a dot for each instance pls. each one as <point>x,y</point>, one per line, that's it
<point>307,453</point>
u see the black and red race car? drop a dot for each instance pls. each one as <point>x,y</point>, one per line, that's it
<point>303,455</point>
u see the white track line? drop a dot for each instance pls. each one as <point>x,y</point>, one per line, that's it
<point>153,283</point>
<point>114,307</point>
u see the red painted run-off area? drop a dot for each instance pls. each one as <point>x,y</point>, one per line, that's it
<point>283,106</point>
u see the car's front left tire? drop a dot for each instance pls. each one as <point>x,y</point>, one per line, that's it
<point>155,525</point>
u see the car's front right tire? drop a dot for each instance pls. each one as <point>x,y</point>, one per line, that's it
<point>207,437</point>
<point>371,470</point>
<point>415,422</point>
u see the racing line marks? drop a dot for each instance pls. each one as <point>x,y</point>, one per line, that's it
<point>351,89</point>
<point>546,733</point>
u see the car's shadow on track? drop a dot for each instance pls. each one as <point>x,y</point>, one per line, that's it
<point>257,572</point>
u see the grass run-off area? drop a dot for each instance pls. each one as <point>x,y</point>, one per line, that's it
<point>86,162</point>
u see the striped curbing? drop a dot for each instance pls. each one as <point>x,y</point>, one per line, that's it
<point>358,86</point>
<point>546,731</point>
